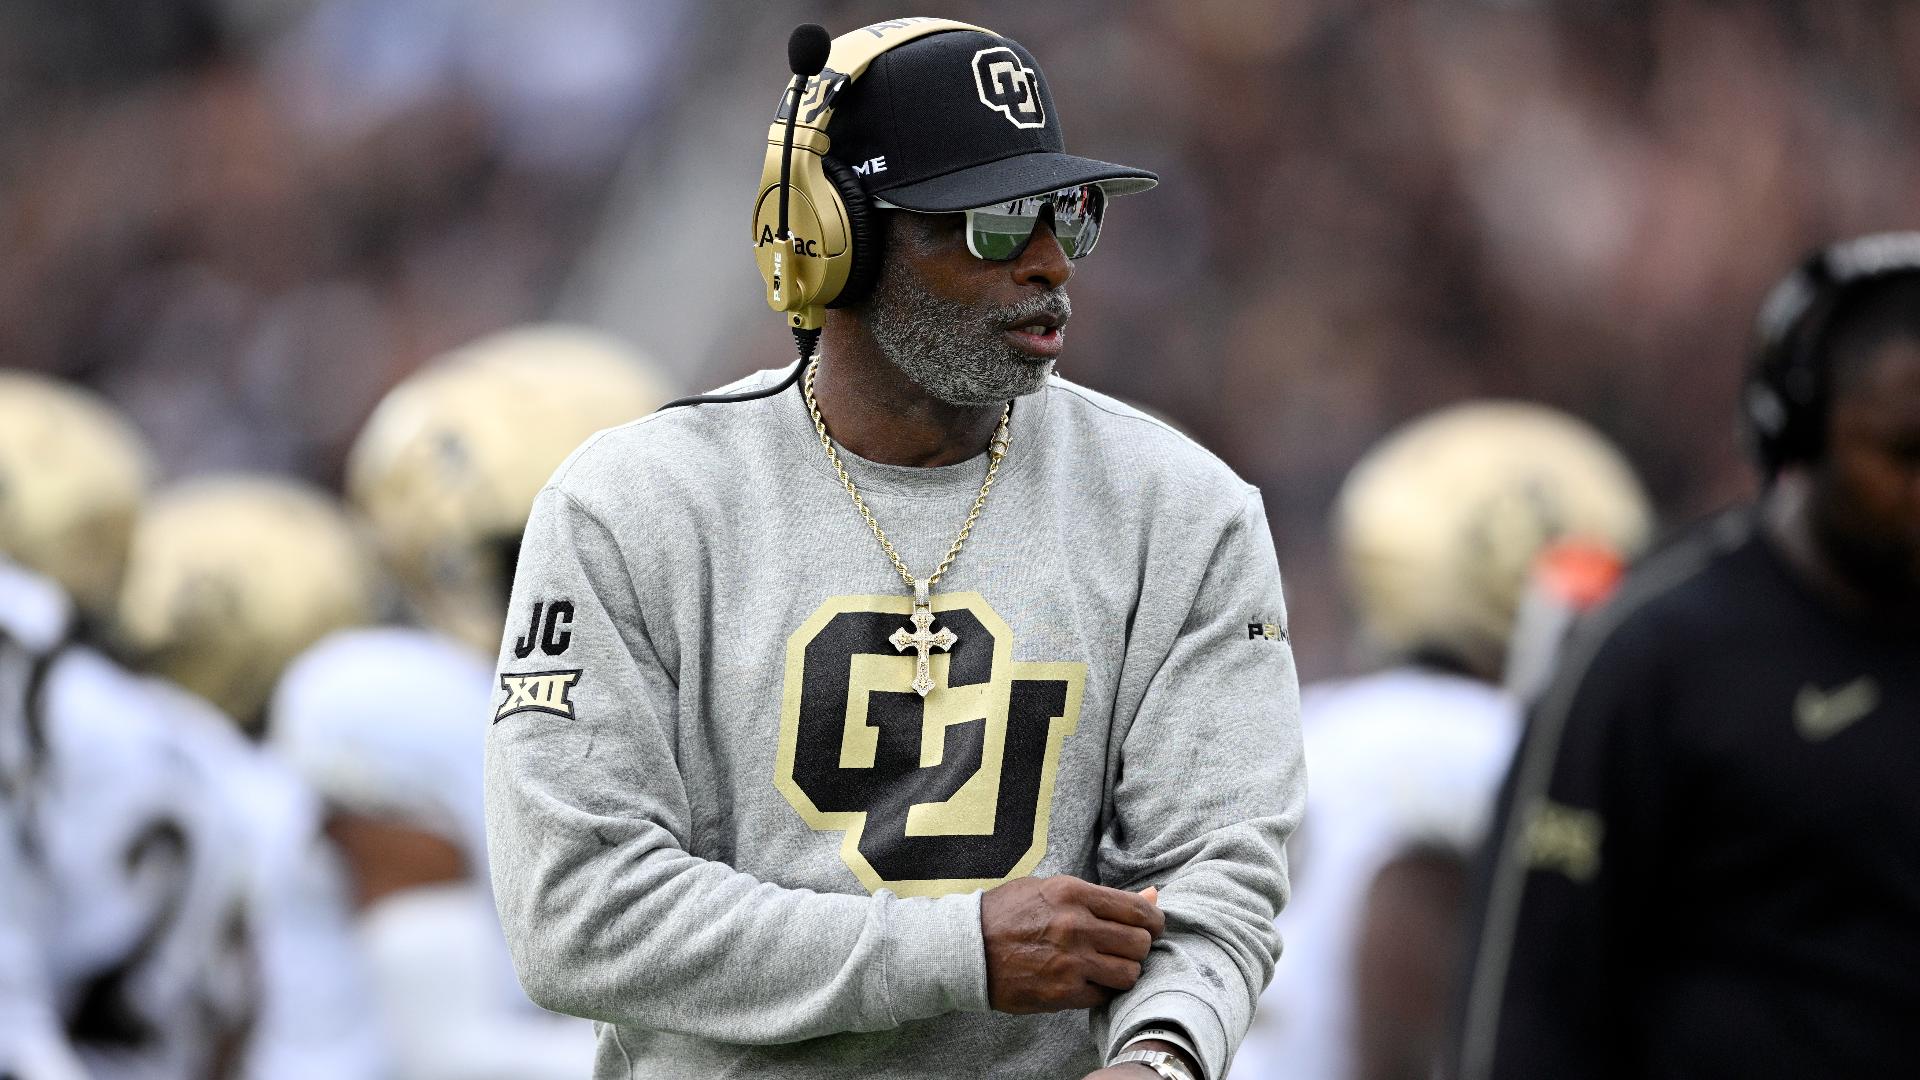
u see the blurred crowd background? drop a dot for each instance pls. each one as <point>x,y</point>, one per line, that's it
<point>243,222</point>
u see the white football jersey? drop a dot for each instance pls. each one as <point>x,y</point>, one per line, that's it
<point>146,875</point>
<point>137,917</point>
<point>438,959</point>
<point>314,1015</point>
<point>318,1019</point>
<point>391,723</point>
<point>1398,759</point>
<point>33,1045</point>
<point>34,618</point>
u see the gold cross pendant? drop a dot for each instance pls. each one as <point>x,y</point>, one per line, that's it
<point>923,639</point>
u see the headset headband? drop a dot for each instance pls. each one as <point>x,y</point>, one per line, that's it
<point>1785,400</point>
<point>851,55</point>
<point>1827,274</point>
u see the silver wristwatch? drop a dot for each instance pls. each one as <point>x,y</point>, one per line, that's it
<point>1168,1066</point>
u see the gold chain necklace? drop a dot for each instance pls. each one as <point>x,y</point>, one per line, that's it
<point>923,637</point>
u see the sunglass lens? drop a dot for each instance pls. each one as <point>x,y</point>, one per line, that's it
<point>1000,231</point>
<point>1076,218</point>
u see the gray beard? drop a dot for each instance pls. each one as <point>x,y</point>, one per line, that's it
<point>956,352</point>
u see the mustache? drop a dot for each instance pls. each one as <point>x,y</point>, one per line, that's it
<point>1053,302</point>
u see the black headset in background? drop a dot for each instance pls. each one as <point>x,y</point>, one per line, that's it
<point>1786,396</point>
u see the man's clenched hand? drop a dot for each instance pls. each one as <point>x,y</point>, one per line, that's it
<point>1059,943</point>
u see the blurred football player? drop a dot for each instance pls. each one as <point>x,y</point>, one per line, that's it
<point>73,472</point>
<point>34,614</point>
<point>173,853</point>
<point>398,762</point>
<point>33,1041</point>
<point>1441,529</point>
<point>389,724</point>
<point>1706,851</point>
<point>447,467</point>
<point>227,579</point>
<point>130,888</point>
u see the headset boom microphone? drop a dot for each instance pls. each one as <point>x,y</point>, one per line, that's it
<point>807,49</point>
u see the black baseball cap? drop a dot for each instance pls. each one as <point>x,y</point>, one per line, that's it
<point>961,119</point>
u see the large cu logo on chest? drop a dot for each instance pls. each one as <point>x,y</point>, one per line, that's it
<point>939,795</point>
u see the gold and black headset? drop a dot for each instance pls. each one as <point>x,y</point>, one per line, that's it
<point>813,237</point>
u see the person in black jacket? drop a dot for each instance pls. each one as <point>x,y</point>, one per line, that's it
<point>1708,862</point>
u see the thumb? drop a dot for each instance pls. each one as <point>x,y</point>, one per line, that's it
<point>1152,893</point>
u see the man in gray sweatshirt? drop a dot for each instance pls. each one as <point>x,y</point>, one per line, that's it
<point>934,716</point>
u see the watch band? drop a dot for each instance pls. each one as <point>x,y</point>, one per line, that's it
<point>1168,1066</point>
<point>1164,1035</point>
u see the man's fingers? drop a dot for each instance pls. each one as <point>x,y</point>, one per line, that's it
<point>1112,972</point>
<point>1119,939</point>
<point>1115,905</point>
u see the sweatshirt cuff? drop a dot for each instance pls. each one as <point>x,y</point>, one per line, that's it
<point>1179,1010</point>
<point>936,960</point>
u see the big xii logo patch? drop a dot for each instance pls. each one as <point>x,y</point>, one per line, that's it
<point>548,692</point>
<point>939,795</point>
<point>538,692</point>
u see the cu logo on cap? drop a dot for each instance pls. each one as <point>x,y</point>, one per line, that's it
<point>1008,87</point>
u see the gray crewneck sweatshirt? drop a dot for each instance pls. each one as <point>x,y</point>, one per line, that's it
<point>723,824</point>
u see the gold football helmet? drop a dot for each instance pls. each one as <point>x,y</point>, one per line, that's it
<point>1438,527</point>
<point>229,578</point>
<point>447,467</point>
<point>72,474</point>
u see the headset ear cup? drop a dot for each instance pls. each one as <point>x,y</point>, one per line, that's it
<point>1772,419</point>
<point>1766,415</point>
<point>1785,394</point>
<point>866,229</point>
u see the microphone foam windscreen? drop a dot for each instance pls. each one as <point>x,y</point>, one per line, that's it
<point>807,49</point>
